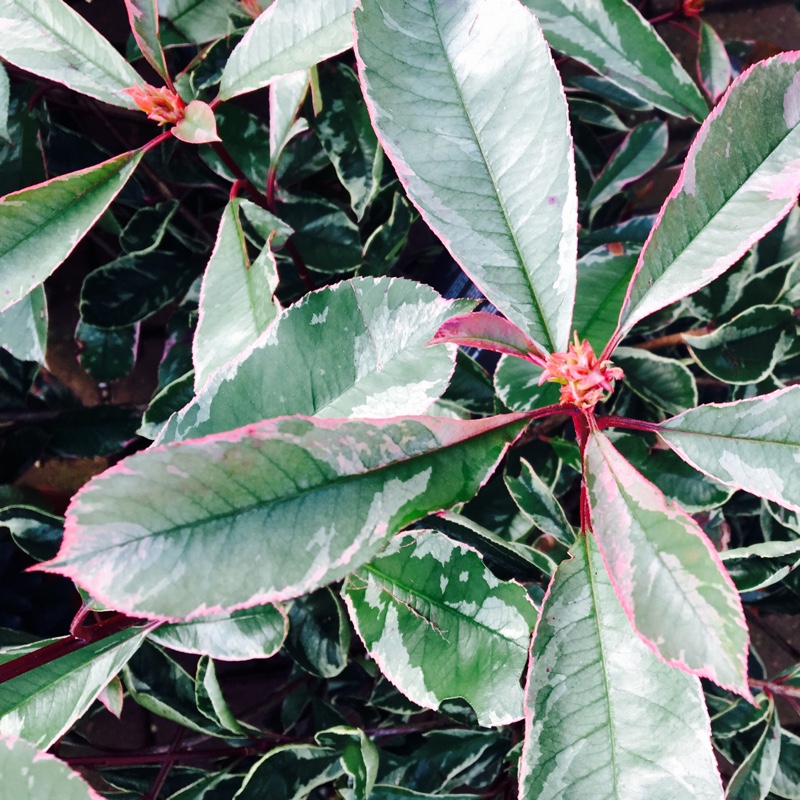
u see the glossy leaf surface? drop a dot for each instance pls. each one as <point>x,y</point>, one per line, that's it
<point>50,39</point>
<point>604,716</point>
<point>40,705</point>
<point>489,332</point>
<point>198,126</point>
<point>40,226</point>
<point>494,176</point>
<point>287,37</point>
<point>746,349</point>
<point>356,349</point>
<point>432,616</point>
<point>665,382</point>
<point>749,444</point>
<point>236,303</point>
<point>714,215</point>
<point>143,19</point>
<point>348,484</point>
<point>713,63</point>
<point>612,37</point>
<point>256,632</point>
<point>285,98</point>
<point>200,20</point>
<point>516,382</point>
<point>665,572</point>
<point>23,327</point>
<point>35,775</point>
<point>640,151</point>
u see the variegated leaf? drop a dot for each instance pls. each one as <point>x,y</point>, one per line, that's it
<point>433,617</point>
<point>667,575</point>
<point>200,527</point>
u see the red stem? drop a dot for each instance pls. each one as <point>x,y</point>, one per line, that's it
<point>685,28</point>
<point>157,140</point>
<point>625,422</point>
<point>235,188</point>
<point>63,647</point>
<point>662,18</point>
<point>228,161</point>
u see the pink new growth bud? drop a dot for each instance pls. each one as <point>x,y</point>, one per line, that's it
<point>692,8</point>
<point>584,380</point>
<point>160,104</point>
<point>251,8</point>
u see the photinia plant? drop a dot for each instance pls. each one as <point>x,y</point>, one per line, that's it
<point>545,569</point>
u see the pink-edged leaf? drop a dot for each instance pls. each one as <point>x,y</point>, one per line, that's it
<point>143,19</point>
<point>476,127</point>
<point>42,224</point>
<point>489,332</point>
<point>198,126</point>
<point>266,512</point>
<point>752,444</point>
<point>33,774</point>
<point>667,575</point>
<point>604,717</point>
<point>713,63</point>
<point>740,178</point>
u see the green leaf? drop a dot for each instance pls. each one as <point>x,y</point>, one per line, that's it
<point>740,178</point>
<point>713,63</point>
<point>35,775</point>
<point>42,704</point>
<point>344,129</point>
<point>200,20</point>
<point>159,684</point>
<point>494,175</point>
<point>680,483</point>
<point>146,228</point>
<point>516,382</point>
<point>489,332</point>
<point>325,236</point>
<point>666,573</point>
<point>290,773</point>
<point>746,349</point>
<point>172,398</point>
<point>506,559</point>
<point>40,226</point>
<point>664,382</point>
<point>286,95</point>
<point>359,756</point>
<point>537,502</point>
<point>614,39</point>
<point>603,279</point>
<point>143,19</point>
<point>287,37</point>
<point>319,634</point>
<point>208,697</point>
<point>245,137</point>
<point>23,327</point>
<point>593,113</point>
<point>5,104</point>
<point>398,793</point>
<point>34,531</point>
<point>640,151</point>
<point>386,242</point>
<point>107,355</point>
<point>604,716</point>
<point>760,565</point>
<point>134,287</point>
<point>356,349</point>
<point>266,224</point>
<point>198,126</point>
<point>236,303</point>
<point>748,444</point>
<point>226,502</point>
<point>256,632</point>
<point>49,39</point>
<point>786,782</point>
<point>753,779</point>
<point>432,616</point>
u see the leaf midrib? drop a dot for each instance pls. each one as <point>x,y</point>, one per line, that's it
<point>550,344</point>
<point>70,46</point>
<point>414,592</point>
<point>339,479</point>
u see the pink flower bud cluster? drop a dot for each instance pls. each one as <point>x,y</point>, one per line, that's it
<point>159,103</point>
<point>584,380</point>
